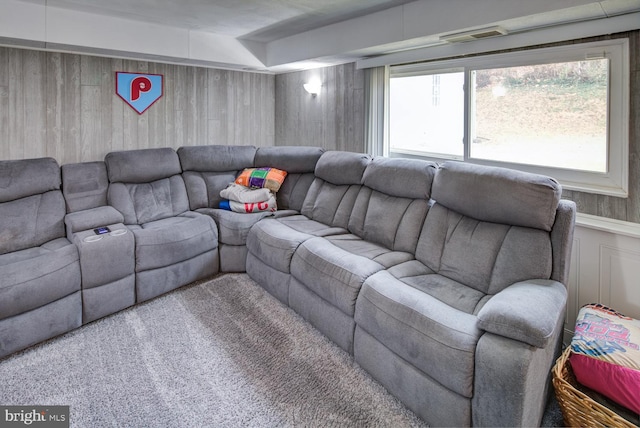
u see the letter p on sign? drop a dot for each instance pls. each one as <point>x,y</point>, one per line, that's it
<point>139,84</point>
<point>140,91</point>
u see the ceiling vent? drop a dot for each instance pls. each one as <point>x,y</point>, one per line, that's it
<point>467,36</point>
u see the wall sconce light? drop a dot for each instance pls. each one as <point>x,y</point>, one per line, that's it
<point>313,87</point>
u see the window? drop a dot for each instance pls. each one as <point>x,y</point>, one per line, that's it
<point>560,111</point>
<point>421,119</point>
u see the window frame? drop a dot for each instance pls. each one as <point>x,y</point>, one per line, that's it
<point>613,182</point>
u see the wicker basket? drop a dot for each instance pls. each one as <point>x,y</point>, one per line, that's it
<point>578,409</point>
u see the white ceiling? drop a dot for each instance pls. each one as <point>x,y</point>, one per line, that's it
<point>283,35</point>
<point>256,20</point>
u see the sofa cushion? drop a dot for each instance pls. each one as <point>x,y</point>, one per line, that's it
<point>403,178</point>
<point>293,159</point>
<point>483,255</point>
<point>37,276</point>
<point>453,293</point>
<point>31,221</point>
<point>299,162</point>
<point>342,168</point>
<point>42,323</point>
<point>355,245</point>
<point>233,227</point>
<point>394,222</point>
<point>435,338</point>
<point>175,239</point>
<point>203,188</point>
<point>210,169</point>
<point>294,190</point>
<point>27,177</point>
<point>332,273</point>
<point>392,204</point>
<point>508,196</point>
<point>331,197</point>
<point>329,203</point>
<point>142,166</point>
<point>145,202</point>
<point>84,185</point>
<point>31,205</point>
<point>303,224</point>
<point>274,243</point>
<point>216,158</point>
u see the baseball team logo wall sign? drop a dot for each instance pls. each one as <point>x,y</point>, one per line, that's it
<point>140,91</point>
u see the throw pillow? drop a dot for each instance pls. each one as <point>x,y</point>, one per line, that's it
<point>257,178</point>
<point>606,354</point>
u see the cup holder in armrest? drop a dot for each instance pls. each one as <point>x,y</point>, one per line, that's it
<point>92,238</point>
<point>118,232</point>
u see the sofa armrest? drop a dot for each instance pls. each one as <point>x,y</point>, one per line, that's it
<point>92,218</point>
<point>527,311</point>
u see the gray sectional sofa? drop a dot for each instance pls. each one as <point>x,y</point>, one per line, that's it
<point>445,282</point>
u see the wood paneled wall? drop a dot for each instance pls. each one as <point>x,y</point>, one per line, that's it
<point>65,106</point>
<point>334,120</point>
<point>626,209</point>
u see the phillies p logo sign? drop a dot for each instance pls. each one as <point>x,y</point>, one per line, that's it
<point>140,91</point>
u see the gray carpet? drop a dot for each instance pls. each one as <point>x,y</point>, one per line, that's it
<point>216,353</point>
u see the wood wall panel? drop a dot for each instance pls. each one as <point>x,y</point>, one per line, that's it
<point>4,101</point>
<point>333,120</point>
<point>626,209</point>
<point>65,106</point>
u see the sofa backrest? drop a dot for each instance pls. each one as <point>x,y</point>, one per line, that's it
<point>333,192</point>
<point>393,202</point>
<point>490,227</point>
<point>299,163</point>
<point>209,169</point>
<point>146,185</point>
<point>32,207</point>
<point>84,185</point>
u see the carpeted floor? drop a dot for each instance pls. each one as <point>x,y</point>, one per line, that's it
<point>217,353</point>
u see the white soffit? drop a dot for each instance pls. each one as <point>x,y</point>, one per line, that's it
<point>409,25</point>
<point>522,38</point>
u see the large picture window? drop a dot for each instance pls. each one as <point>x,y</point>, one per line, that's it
<point>560,111</point>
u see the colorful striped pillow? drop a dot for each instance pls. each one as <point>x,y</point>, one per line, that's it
<point>258,178</point>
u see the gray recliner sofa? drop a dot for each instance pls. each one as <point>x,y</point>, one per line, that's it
<point>324,211</point>
<point>480,308</point>
<point>445,282</point>
<point>39,267</point>
<point>173,245</point>
<point>209,169</point>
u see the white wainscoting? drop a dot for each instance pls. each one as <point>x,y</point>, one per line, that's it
<point>605,267</point>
